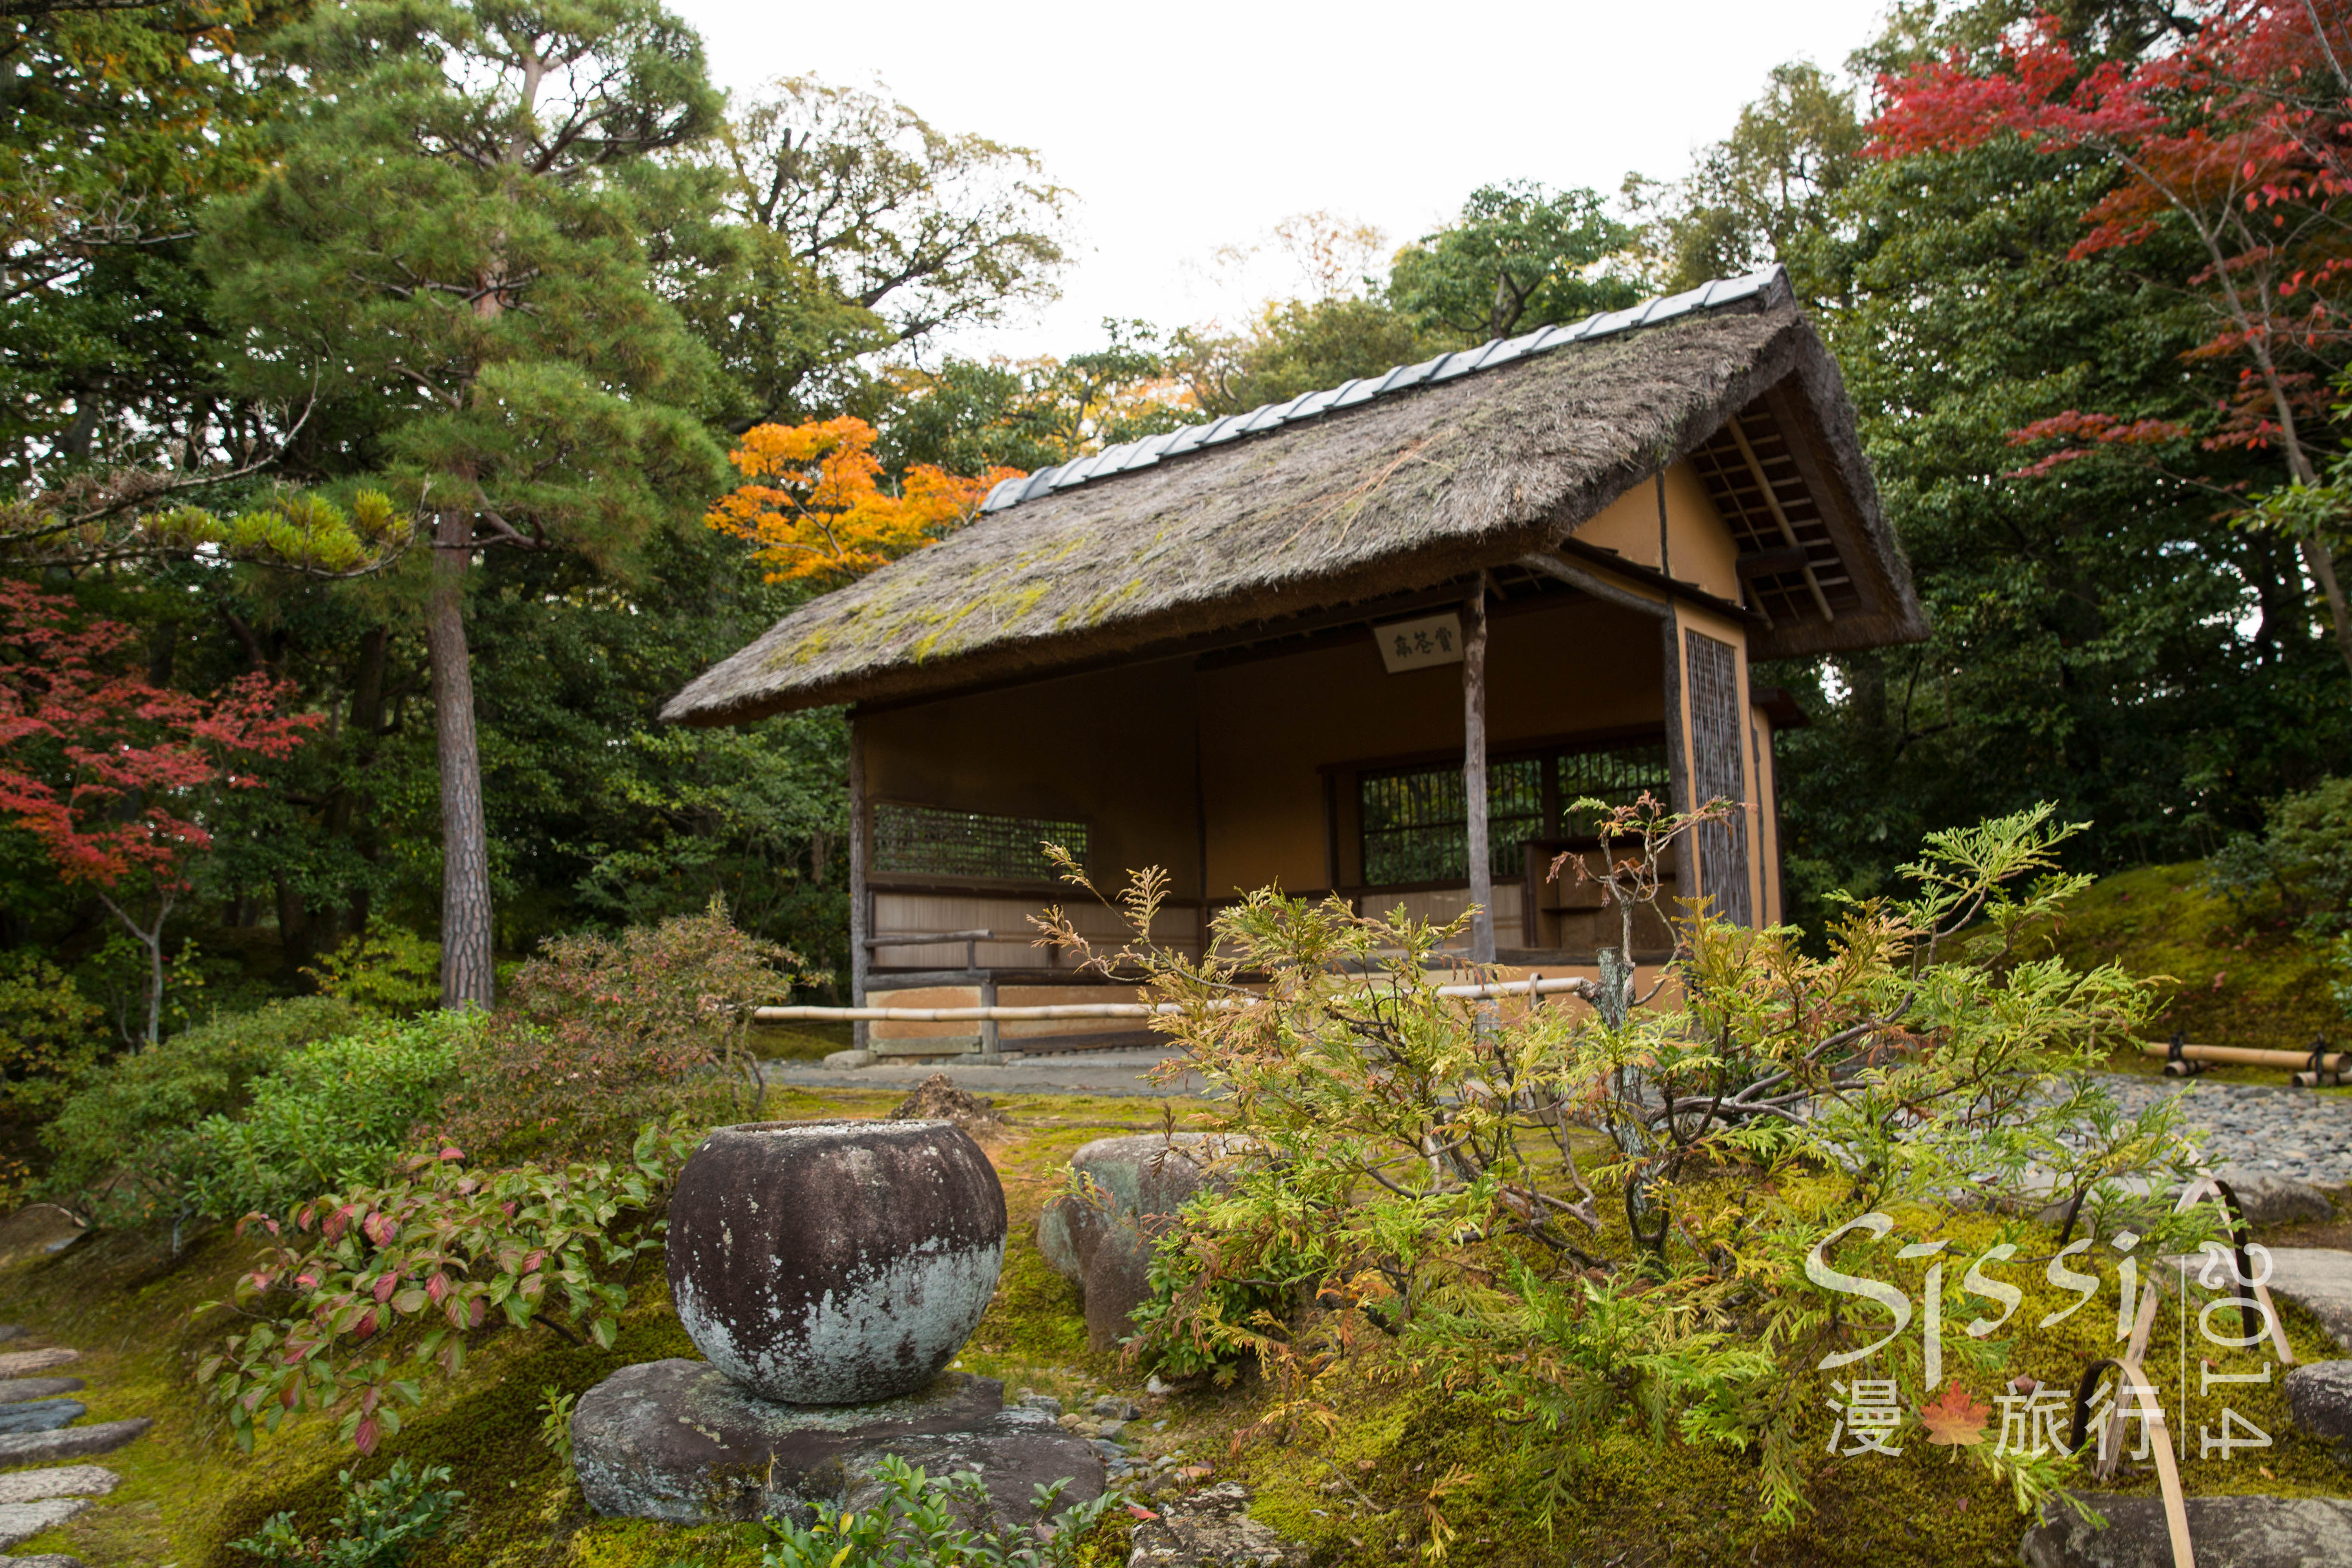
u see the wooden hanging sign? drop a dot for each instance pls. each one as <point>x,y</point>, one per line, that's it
<point>1419,644</point>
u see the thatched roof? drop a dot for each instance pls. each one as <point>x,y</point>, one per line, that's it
<point>1471,461</point>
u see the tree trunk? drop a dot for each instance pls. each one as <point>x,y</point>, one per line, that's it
<point>2321,563</point>
<point>1473,772</point>
<point>465,975</point>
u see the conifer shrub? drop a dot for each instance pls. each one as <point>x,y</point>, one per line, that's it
<point>1574,1214</point>
<point>602,1035</point>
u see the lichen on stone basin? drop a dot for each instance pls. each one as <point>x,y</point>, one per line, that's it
<point>834,1262</point>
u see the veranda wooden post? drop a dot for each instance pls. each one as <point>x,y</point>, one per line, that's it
<point>861,1033</point>
<point>1473,771</point>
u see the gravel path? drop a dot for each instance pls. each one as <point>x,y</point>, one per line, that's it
<point>2290,1132</point>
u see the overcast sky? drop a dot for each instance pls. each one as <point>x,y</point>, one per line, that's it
<point>1187,127</point>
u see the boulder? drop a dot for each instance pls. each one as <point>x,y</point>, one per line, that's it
<point>70,1442</point>
<point>1211,1529</point>
<point>1103,1243</point>
<point>2227,1532</point>
<point>2319,1396</point>
<point>679,1441</point>
<point>834,1262</point>
<point>40,1415</point>
<point>62,1480</point>
<point>24,1521</point>
<point>14,1389</point>
<point>2269,1199</point>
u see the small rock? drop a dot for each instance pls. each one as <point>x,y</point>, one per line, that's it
<point>1114,1407</point>
<point>17,1363</point>
<point>936,1099</point>
<point>2320,1397</point>
<point>1044,1402</point>
<point>1110,1429</point>
<point>842,1060</point>
<point>13,1390</point>
<point>41,1415</point>
<point>1211,1529</point>
<point>11,1332</point>
<point>2240,1532</point>
<point>64,1480</point>
<point>24,1521</point>
<point>70,1442</point>
<point>2270,1200</point>
<point>1154,1387</point>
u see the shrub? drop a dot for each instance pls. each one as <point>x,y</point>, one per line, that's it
<point>49,1037</point>
<point>116,1146</point>
<point>387,968</point>
<point>362,1290</point>
<point>1566,1215</point>
<point>2302,865</point>
<point>382,1523</point>
<point>605,1033</point>
<point>332,1114</point>
<point>945,1521</point>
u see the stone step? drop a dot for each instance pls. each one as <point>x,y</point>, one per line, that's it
<point>42,1560</point>
<point>2320,1397</point>
<point>17,1363</point>
<point>70,1442</point>
<point>2226,1532</point>
<point>15,1390</point>
<point>60,1480</point>
<point>2317,1278</point>
<point>41,1415</point>
<point>24,1521</point>
<point>11,1332</point>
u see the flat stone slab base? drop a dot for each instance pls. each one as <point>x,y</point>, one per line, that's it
<point>41,1415</point>
<point>676,1440</point>
<point>24,1521</point>
<point>2226,1532</point>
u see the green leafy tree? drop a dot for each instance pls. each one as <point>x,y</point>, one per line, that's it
<point>453,244</point>
<point>1298,346</point>
<point>1520,256</point>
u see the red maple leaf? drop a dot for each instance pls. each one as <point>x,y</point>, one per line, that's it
<point>1954,1419</point>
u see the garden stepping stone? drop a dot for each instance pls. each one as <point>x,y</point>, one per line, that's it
<point>2226,1532</point>
<point>61,1480</point>
<point>24,1521</point>
<point>16,1389</point>
<point>2320,1397</point>
<point>70,1442</point>
<point>18,1363</point>
<point>42,1560</point>
<point>11,1332</point>
<point>1211,1529</point>
<point>40,1415</point>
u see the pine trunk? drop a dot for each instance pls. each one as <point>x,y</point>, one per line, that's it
<point>465,974</point>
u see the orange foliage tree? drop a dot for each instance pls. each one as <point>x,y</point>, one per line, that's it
<point>813,502</point>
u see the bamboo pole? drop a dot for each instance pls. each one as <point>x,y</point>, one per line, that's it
<point>1537,987</point>
<point>2251,1057</point>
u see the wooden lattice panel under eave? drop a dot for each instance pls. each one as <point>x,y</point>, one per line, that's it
<point>1731,483</point>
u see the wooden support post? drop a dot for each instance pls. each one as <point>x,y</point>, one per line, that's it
<point>1473,771</point>
<point>991,1044</point>
<point>860,921</point>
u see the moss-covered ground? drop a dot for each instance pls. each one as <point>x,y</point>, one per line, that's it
<point>2231,977</point>
<point>1401,1464</point>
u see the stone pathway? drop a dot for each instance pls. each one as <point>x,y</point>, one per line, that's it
<point>1061,1072</point>
<point>2290,1132</point>
<point>36,1428</point>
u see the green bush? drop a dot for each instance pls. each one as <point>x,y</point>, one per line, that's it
<point>2300,867</point>
<point>333,1114</point>
<point>117,1144</point>
<point>381,1525</point>
<point>386,968</point>
<point>941,1521</point>
<point>49,1037</point>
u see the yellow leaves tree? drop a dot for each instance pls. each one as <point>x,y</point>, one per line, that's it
<point>813,504</point>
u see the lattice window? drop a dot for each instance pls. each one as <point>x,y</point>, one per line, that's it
<point>930,841</point>
<point>1416,821</point>
<point>1719,772</point>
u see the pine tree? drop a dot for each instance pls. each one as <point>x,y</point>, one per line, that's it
<point>454,251</point>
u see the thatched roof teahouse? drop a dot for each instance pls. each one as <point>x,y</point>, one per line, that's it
<point>1274,647</point>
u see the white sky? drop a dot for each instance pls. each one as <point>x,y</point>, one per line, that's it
<point>1186,127</point>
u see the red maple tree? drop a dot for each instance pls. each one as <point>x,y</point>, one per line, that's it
<point>2240,131</point>
<point>113,775</point>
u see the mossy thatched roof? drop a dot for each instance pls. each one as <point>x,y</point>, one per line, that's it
<point>1398,493</point>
